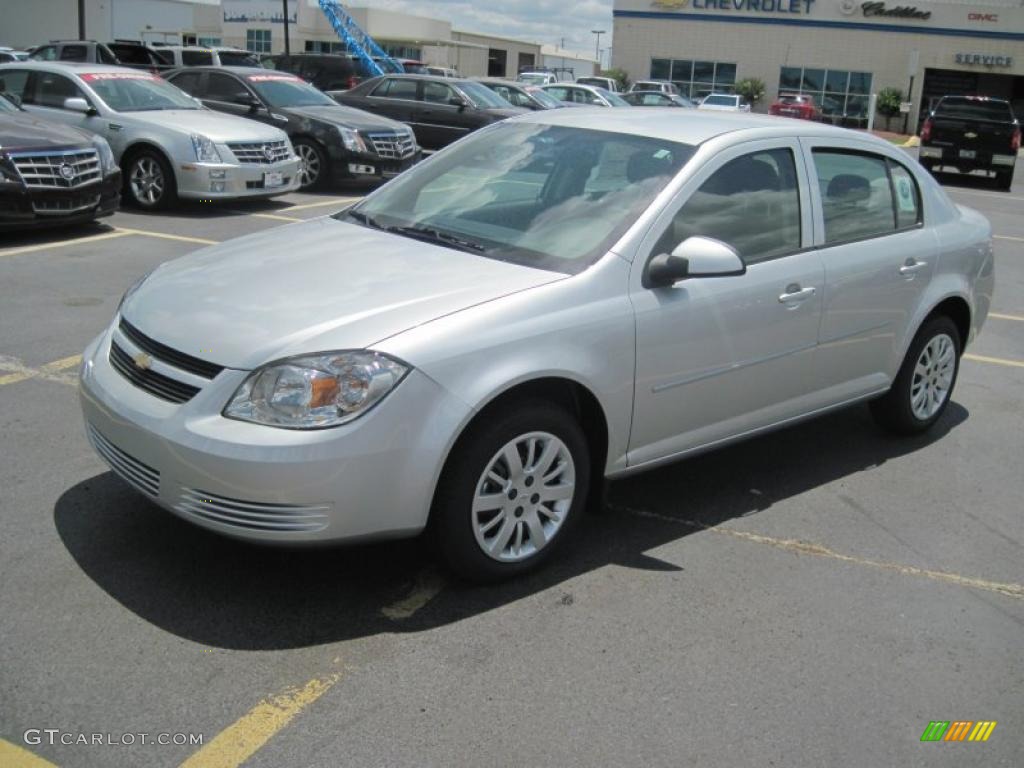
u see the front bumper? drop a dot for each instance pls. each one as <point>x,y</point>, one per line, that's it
<point>372,478</point>
<point>222,181</point>
<point>24,207</point>
<point>353,165</point>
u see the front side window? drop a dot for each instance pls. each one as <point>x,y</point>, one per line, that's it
<point>72,53</point>
<point>51,90</point>
<point>46,53</point>
<point>12,84</point>
<point>857,196</point>
<point>560,93</point>
<point>751,203</point>
<point>189,83</point>
<point>225,88</point>
<point>550,197</point>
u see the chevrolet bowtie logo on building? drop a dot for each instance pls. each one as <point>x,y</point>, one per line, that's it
<point>142,360</point>
<point>958,730</point>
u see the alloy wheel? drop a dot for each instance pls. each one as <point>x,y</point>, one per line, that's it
<point>147,181</point>
<point>309,169</point>
<point>933,376</point>
<point>523,496</point>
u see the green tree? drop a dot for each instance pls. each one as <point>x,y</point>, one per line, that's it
<point>888,106</point>
<point>619,75</point>
<point>751,89</point>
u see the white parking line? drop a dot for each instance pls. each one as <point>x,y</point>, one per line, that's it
<point>1000,316</point>
<point>63,243</point>
<point>953,190</point>
<point>166,236</point>
<point>1008,237</point>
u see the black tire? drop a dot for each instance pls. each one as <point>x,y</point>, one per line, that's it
<point>137,167</point>
<point>1004,179</point>
<point>454,524</point>
<point>894,410</point>
<point>314,171</point>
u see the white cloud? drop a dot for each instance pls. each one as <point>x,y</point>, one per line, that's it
<point>543,21</point>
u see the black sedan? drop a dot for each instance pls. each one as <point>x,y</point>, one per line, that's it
<point>657,99</point>
<point>440,110</point>
<point>333,142</point>
<point>52,174</point>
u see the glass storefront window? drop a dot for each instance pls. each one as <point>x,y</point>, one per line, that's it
<point>682,70</point>
<point>835,81</point>
<point>661,69</point>
<point>725,73</point>
<point>814,80</point>
<point>789,79</point>
<point>704,71</point>
<point>696,79</point>
<point>860,82</point>
<point>841,95</point>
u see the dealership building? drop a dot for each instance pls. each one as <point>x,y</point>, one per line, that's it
<point>838,51</point>
<point>258,26</point>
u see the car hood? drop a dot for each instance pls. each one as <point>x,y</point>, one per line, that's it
<point>25,131</point>
<point>216,126</point>
<point>312,287</point>
<point>501,112</point>
<point>346,116</point>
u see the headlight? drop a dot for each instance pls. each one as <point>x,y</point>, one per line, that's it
<point>315,391</point>
<point>107,161</point>
<point>352,140</point>
<point>205,151</point>
<point>8,174</point>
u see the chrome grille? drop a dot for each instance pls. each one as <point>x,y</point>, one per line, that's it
<point>166,354</point>
<point>62,206</point>
<point>252,515</point>
<point>156,384</point>
<point>393,146</point>
<point>58,170</point>
<point>260,152</point>
<point>131,470</point>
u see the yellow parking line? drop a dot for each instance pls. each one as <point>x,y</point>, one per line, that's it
<point>428,584</point>
<point>63,243</point>
<point>1007,237</point>
<point>995,360</point>
<point>166,236</point>
<point>275,217</point>
<point>243,738</point>
<point>23,372</point>
<point>320,204</point>
<point>957,191</point>
<point>1000,316</point>
<point>13,756</point>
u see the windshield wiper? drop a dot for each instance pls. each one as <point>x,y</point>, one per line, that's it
<point>362,218</point>
<point>432,235</point>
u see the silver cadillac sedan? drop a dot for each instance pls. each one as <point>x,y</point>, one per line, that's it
<point>563,297</point>
<point>168,145</point>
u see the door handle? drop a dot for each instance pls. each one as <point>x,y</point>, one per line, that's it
<point>912,267</point>
<point>794,294</point>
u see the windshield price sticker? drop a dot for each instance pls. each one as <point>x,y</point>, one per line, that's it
<point>92,77</point>
<point>268,78</point>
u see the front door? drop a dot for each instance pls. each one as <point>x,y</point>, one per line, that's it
<point>720,356</point>
<point>442,114</point>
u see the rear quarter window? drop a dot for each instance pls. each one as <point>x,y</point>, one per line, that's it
<point>974,109</point>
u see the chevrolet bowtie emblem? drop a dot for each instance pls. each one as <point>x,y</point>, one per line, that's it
<point>142,360</point>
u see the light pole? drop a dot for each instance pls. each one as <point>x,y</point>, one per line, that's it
<point>597,45</point>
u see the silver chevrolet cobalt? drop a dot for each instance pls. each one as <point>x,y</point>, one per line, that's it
<point>558,298</point>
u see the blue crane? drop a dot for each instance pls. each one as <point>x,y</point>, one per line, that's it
<point>360,44</point>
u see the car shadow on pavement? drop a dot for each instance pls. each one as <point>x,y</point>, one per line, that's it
<point>53,234</point>
<point>972,180</point>
<point>227,594</point>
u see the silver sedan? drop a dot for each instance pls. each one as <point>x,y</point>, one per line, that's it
<point>556,299</point>
<point>167,144</point>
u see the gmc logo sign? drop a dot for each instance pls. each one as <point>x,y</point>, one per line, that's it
<point>983,17</point>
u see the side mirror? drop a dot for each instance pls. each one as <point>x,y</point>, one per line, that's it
<point>79,105</point>
<point>694,257</point>
<point>455,101</point>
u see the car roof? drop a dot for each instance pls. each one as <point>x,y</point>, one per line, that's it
<point>233,69</point>
<point>426,78</point>
<point>69,67</point>
<point>687,125</point>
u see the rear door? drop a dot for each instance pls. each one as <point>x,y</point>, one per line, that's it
<point>878,260</point>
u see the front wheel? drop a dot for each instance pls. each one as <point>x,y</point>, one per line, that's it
<point>925,382</point>
<point>511,491</point>
<point>313,167</point>
<point>149,181</point>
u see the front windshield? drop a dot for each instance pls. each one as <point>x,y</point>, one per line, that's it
<point>544,98</point>
<point>483,96</point>
<point>611,98</point>
<point>551,197</point>
<point>721,101</point>
<point>280,90</point>
<point>533,79</point>
<point>137,92</point>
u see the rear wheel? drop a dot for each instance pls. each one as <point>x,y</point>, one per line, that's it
<point>1004,179</point>
<point>511,491</point>
<point>149,180</point>
<point>925,382</point>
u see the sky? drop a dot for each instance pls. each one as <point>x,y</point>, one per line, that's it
<point>543,21</point>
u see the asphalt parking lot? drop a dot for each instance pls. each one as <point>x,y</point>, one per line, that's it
<point>814,597</point>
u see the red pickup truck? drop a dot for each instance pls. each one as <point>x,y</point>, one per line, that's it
<point>795,105</point>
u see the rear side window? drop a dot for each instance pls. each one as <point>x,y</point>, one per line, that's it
<point>196,58</point>
<point>72,53</point>
<point>396,89</point>
<point>751,203</point>
<point>864,195</point>
<point>967,108</point>
<point>12,82</point>
<point>51,90</point>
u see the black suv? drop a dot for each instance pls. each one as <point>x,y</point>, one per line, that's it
<point>52,174</point>
<point>440,109</point>
<point>327,71</point>
<point>333,142</point>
